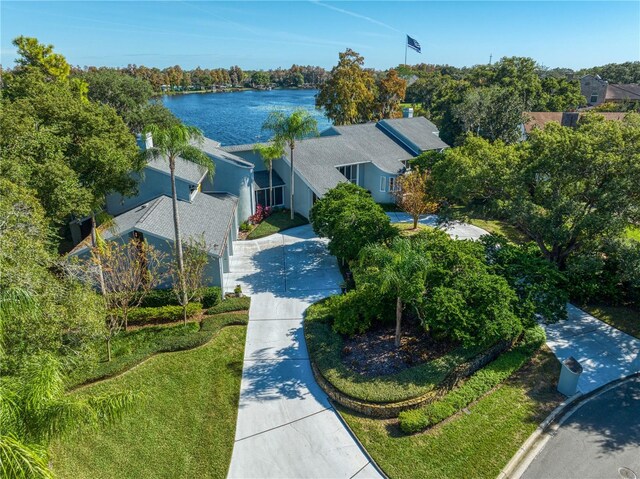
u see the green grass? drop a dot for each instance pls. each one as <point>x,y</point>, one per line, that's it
<point>512,233</point>
<point>133,347</point>
<point>476,445</point>
<point>625,318</point>
<point>183,425</point>
<point>325,348</point>
<point>278,221</point>
<point>406,229</point>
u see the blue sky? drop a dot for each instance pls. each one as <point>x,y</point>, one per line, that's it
<point>270,34</point>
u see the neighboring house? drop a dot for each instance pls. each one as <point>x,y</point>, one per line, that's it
<point>598,91</point>
<point>371,155</point>
<point>538,119</point>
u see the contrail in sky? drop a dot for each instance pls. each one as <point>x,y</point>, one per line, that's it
<point>356,15</point>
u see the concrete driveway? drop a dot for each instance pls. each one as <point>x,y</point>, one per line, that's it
<point>606,353</point>
<point>600,440</point>
<point>456,230</point>
<point>286,427</point>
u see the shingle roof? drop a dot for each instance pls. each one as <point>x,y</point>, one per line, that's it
<point>212,147</point>
<point>622,92</point>
<point>418,130</point>
<point>261,179</point>
<point>210,215</point>
<point>537,119</point>
<point>185,170</point>
<point>245,147</point>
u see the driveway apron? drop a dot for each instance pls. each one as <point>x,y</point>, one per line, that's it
<point>286,426</point>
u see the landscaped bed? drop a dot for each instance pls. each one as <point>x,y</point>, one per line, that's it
<point>326,349</point>
<point>477,442</point>
<point>276,222</point>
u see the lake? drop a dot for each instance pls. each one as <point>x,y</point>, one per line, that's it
<point>236,118</point>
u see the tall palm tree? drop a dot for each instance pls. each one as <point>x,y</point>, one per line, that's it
<point>397,269</point>
<point>169,143</point>
<point>287,130</point>
<point>270,153</point>
<point>34,407</point>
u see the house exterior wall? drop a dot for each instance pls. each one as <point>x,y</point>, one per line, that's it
<point>303,194</point>
<point>590,85</point>
<point>252,157</point>
<point>150,185</point>
<point>234,179</point>
<point>371,182</point>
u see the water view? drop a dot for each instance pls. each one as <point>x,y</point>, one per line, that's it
<point>236,118</point>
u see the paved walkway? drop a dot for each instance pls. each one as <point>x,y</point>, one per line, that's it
<point>606,353</point>
<point>286,426</point>
<point>600,440</point>
<point>456,230</point>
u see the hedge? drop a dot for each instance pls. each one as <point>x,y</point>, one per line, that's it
<point>163,314</point>
<point>231,304</point>
<point>209,297</point>
<point>478,385</point>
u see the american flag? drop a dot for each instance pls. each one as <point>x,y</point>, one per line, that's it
<point>413,43</point>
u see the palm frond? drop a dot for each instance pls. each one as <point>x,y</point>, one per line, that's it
<point>197,156</point>
<point>22,461</point>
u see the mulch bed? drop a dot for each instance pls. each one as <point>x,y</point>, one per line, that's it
<point>375,354</point>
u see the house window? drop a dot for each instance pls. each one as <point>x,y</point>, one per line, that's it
<point>350,172</point>
<point>594,98</point>
<point>392,184</point>
<point>383,183</point>
<point>264,198</point>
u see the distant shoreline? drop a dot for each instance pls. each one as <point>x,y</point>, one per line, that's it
<point>232,90</point>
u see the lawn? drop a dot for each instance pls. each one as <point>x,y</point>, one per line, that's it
<point>476,444</point>
<point>183,425</point>
<point>624,318</point>
<point>406,229</point>
<point>278,221</point>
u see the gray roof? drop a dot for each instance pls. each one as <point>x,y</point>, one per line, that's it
<point>418,130</point>
<point>185,170</point>
<point>245,147</point>
<point>622,92</point>
<point>261,179</point>
<point>212,148</point>
<point>210,215</point>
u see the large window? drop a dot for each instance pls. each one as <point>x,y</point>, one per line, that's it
<point>350,172</point>
<point>264,198</point>
<point>594,98</point>
<point>383,183</point>
<point>392,184</point>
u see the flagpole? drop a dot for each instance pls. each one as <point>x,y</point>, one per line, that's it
<point>406,42</point>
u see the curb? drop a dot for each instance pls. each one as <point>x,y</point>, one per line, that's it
<point>538,439</point>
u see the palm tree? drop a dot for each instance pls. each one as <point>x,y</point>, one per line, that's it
<point>287,130</point>
<point>270,153</point>
<point>397,269</point>
<point>169,143</point>
<point>34,408</point>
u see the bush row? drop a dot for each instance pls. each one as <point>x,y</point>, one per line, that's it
<point>209,297</point>
<point>162,314</point>
<point>479,384</point>
<point>230,304</point>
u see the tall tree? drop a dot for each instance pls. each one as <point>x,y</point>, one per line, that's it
<point>169,144</point>
<point>349,94</point>
<point>391,91</point>
<point>397,269</point>
<point>288,130</point>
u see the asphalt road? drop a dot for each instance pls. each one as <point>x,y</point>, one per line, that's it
<point>601,440</point>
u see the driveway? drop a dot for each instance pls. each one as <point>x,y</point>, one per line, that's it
<point>606,353</point>
<point>286,427</point>
<point>600,440</point>
<point>456,229</point>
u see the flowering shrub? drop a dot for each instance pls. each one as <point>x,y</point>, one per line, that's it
<point>260,214</point>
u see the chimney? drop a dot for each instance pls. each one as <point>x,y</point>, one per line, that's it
<point>148,141</point>
<point>407,113</point>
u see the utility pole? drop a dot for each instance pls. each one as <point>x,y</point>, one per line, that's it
<point>490,58</point>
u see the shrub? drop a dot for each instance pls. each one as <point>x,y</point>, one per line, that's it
<point>231,304</point>
<point>355,311</point>
<point>260,214</point>
<point>245,226</point>
<point>210,296</point>
<point>162,314</point>
<point>475,387</point>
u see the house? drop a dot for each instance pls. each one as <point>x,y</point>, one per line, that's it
<point>598,91</point>
<point>212,215</point>
<point>371,155</point>
<point>538,119</point>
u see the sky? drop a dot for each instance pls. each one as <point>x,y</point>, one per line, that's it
<point>268,34</point>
